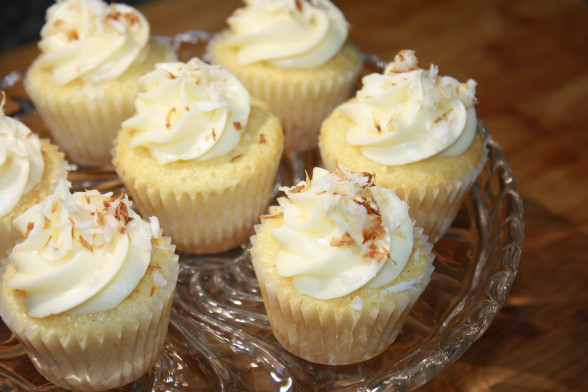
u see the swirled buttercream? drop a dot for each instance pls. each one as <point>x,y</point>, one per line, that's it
<point>21,161</point>
<point>287,33</point>
<point>91,40</point>
<point>341,233</point>
<point>83,252</point>
<point>188,111</point>
<point>408,114</point>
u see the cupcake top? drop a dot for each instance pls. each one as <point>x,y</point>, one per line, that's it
<point>340,232</point>
<point>83,252</point>
<point>21,161</point>
<point>90,40</point>
<point>187,111</point>
<point>287,33</point>
<point>408,114</point>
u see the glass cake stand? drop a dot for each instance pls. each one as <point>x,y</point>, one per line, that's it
<point>219,336</point>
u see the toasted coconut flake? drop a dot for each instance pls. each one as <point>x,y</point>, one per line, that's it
<point>237,125</point>
<point>131,18</point>
<point>344,240</point>
<point>373,232</point>
<point>113,13</point>
<point>272,216</point>
<point>377,255</point>
<point>72,35</point>
<point>122,213</point>
<point>371,178</point>
<point>86,244</point>
<point>299,5</point>
<point>298,188</point>
<point>262,138</point>
<point>46,244</point>
<point>168,117</point>
<point>368,206</point>
<point>30,227</point>
<point>46,222</point>
<point>233,159</point>
<point>100,219</point>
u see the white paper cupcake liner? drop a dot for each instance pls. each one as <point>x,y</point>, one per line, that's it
<point>82,124</point>
<point>103,358</point>
<point>84,118</point>
<point>435,208</point>
<point>301,106</point>
<point>333,335</point>
<point>301,99</point>
<point>211,222</point>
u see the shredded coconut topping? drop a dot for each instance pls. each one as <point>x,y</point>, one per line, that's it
<point>408,114</point>
<point>349,228</point>
<point>92,219</point>
<point>83,252</point>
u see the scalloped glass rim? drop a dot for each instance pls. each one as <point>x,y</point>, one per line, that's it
<point>219,335</point>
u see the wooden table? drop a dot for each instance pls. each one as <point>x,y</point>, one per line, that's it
<point>530,59</point>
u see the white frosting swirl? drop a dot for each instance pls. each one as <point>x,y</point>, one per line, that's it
<point>21,161</point>
<point>408,114</point>
<point>288,33</point>
<point>188,111</point>
<point>341,233</point>
<point>91,40</point>
<point>83,252</point>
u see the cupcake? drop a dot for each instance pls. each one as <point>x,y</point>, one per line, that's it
<point>417,131</point>
<point>88,293</point>
<point>295,56</point>
<point>340,266</point>
<point>200,154</point>
<point>84,81</point>
<point>30,169</point>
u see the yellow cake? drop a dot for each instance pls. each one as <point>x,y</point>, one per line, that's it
<point>283,60</point>
<point>29,171</point>
<point>200,155</point>
<point>381,131</point>
<point>88,293</point>
<point>344,296</point>
<point>83,97</point>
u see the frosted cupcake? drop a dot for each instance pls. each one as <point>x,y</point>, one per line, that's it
<point>199,154</point>
<point>30,169</point>
<point>295,56</point>
<point>84,81</point>
<point>88,293</point>
<point>344,296</point>
<point>417,131</point>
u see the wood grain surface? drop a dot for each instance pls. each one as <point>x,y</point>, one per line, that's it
<point>530,59</point>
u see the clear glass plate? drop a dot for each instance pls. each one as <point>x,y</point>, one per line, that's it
<point>219,336</point>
